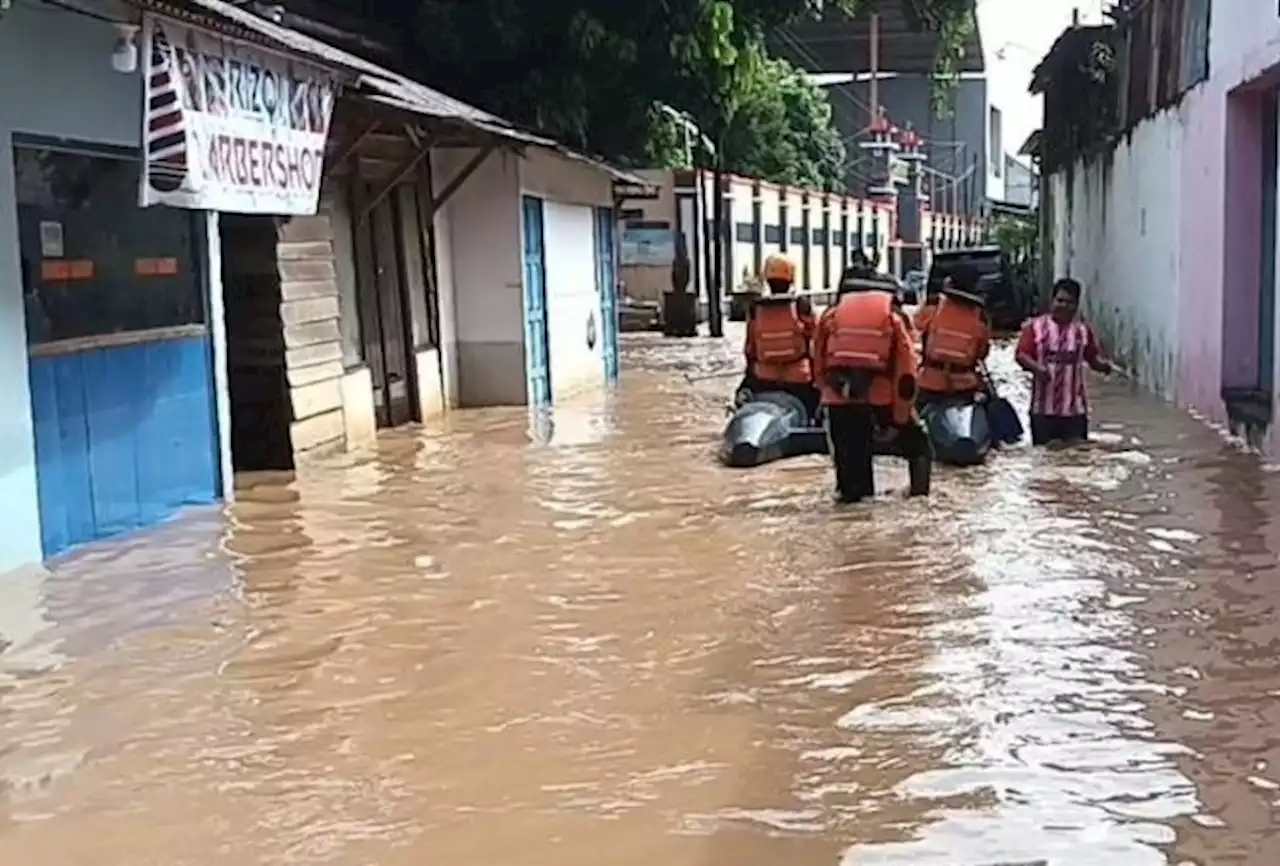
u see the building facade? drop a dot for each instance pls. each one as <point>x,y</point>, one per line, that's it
<point>410,255</point>
<point>818,231</point>
<point>1172,226</point>
<point>1021,183</point>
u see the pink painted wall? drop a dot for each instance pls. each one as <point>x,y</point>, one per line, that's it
<point>1221,226</point>
<point>1199,374</point>
<point>1209,253</point>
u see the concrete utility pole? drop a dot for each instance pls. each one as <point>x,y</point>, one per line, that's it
<point>715,319</point>
<point>874,90</point>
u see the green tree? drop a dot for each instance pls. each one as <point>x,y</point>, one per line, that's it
<point>591,72</point>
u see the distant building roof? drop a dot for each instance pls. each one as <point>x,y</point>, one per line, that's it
<point>1031,147</point>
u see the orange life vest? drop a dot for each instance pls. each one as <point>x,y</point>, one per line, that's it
<point>779,336</point>
<point>862,334</point>
<point>925,315</point>
<point>953,346</point>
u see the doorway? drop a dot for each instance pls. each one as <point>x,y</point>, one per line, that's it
<point>607,284</point>
<point>1249,261</point>
<point>536,339</point>
<point>383,282</point>
<point>261,410</point>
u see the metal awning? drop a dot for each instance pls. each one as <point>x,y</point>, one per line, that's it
<point>366,80</point>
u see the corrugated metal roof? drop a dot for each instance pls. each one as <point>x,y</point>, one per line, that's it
<point>383,86</point>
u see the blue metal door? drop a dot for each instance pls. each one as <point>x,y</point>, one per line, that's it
<point>607,284</point>
<point>537,358</point>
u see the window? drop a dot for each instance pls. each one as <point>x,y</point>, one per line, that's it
<point>93,262</point>
<point>773,234</point>
<point>995,146</point>
<point>746,233</point>
<point>797,236</point>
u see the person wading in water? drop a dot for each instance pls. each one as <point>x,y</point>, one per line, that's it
<point>1055,349</point>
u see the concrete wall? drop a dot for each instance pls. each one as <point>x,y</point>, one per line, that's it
<point>644,282</point>
<point>1174,272</point>
<point>480,274</point>
<point>72,53</point>
<point>1116,232</point>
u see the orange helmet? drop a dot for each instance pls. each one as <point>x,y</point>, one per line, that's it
<point>779,267</point>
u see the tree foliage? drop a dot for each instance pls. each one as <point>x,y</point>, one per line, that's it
<point>779,128</point>
<point>592,72</point>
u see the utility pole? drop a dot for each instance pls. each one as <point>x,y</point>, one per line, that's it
<point>715,320</point>
<point>875,66</point>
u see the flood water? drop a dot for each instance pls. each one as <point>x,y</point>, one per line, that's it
<point>469,649</point>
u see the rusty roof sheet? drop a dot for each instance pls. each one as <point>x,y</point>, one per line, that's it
<point>380,85</point>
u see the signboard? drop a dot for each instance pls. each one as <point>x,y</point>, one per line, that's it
<point>623,191</point>
<point>648,246</point>
<point>899,171</point>
<point>229,126</point>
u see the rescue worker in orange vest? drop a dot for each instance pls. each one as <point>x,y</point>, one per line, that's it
<point>933,293</point>
<point>956,341</point>
<point>780,329</point>
<point>865,366</point>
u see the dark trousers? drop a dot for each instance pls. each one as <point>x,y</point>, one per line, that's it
<point>851,433</point>
<point>1059,428</point>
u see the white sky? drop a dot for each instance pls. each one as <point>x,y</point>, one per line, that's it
<point>1016,34</point>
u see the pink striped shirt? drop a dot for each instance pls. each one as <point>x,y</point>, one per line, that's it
<point>1065,351</point>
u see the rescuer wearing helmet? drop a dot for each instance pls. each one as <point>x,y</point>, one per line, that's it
<point>865,367</point>
<point>779,331</point>
<point>956,340</point>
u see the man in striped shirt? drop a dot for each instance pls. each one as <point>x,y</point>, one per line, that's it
<point>1056,348</point>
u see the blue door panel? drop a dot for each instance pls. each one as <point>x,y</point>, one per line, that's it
<point>123,437</point>
<point>109,379</point>
<point>607,282</point>
<point>537,350</point>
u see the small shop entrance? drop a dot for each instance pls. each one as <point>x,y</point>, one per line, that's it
<point>261,411</point>
<point>119,352</point>
<point>389,266</point>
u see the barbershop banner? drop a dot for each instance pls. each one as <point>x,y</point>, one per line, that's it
<point>229,126</point>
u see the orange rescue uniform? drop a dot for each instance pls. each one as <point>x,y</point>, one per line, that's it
<point>863,334</point>
<point>925,315</point>
<point>778,337</point>
<point>956,341</point>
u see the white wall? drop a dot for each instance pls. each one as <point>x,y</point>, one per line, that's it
<point>481,284</point>
<point>996,145</point>
<point>1116,230</point>
<point>573,304</point>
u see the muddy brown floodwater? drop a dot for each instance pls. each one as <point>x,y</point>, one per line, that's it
<point>469,649</point>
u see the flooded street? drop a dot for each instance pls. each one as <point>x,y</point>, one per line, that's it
<point>470,650</point>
